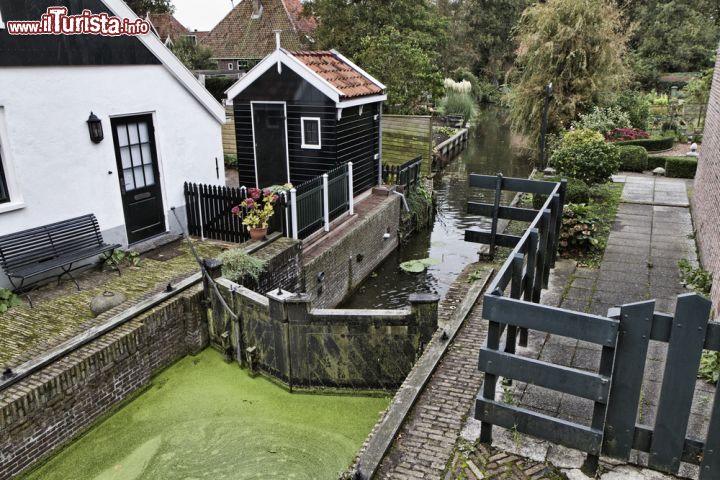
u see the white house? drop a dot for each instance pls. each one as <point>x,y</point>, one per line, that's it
<point>161,127</point>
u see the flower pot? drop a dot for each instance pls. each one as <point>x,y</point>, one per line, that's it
<point>258,233</point>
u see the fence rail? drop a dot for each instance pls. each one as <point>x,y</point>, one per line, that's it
<point>616,385</point>
<point>406,175</point>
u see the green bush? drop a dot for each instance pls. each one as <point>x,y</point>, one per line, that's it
<point>577,192</point>
<point>651,144</point>
<point>239,267</point>
<point>655,162</point>
<point>586,157</point>
<point>231,160</point>
<point>8,300</point>
<point>637,107</point>
<point>680,167</point>
<point>604,120</point>
<point>633,158</point>
<point>579,231</point>
<point>456,103</point>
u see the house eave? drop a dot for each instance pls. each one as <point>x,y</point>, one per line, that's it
<point>354,102</point>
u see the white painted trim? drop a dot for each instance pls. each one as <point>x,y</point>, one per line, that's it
<point>363,72</point>
<point>302,133</point>
<point>231,66</point>
<point>171,63</point>
<point>2,24</point>
<point>284,57</point>
<point>354,102</point>
<point>8,164</point>
<point>287,148</point>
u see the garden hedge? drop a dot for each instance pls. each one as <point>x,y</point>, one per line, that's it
<point>577,192</point>
<point>680,167</point>
<point>634,158</point>
<point>655,162</point>
<point>650,144</point>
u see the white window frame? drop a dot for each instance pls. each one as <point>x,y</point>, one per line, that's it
<point>16,201</point>
<point>231,66</point>
<point>302,133</point>
<point>2,24</point>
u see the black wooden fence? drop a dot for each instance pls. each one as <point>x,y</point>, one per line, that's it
<point>406,175</point>
<point>209,213</point>
<point>624,337</point>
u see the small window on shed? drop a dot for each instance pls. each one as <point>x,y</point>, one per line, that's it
<point>4,193</point>
<point>310,132</point>
<point>231,66</point>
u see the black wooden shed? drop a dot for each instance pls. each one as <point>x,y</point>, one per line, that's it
<point>300,114</point>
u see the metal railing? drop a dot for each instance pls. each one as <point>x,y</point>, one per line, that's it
<point>406,175</point>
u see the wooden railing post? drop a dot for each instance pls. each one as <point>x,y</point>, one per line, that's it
<point>326,202</point>
<point>293,213</point>
<point>351,187</point>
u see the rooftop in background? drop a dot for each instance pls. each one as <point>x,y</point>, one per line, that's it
<point>167,27</point>
<point>340,73</point>
<point>247,31</point>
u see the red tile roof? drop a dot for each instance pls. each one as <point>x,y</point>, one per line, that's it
<point>167,26</point>
<point>240,36</point>
<point>338,73</point>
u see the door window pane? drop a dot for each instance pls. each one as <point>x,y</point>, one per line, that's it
<point>136,155</point>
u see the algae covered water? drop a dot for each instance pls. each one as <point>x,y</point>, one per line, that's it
<point>203,418</point>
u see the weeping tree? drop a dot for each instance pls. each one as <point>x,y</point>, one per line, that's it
<point>579,46</point>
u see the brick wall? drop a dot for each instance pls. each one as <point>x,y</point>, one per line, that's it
<point>283,259</point>
<point>348,262</point>
<point>706,198</point>
<point>46,410</point>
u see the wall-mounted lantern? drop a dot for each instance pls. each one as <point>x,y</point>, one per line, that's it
<point>95,128</point>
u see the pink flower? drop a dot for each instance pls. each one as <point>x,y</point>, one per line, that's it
<point>236,210</point>
<point>267,192</point>
<point>249,203</point>
<point>254,193</point>
<point>274,198</point>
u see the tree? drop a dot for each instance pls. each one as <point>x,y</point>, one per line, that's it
<point>482,35</point>
<point>578,45</point>
<point>410,74</point>
<point>192,55</point>
<point>398,41</point>
<point>676,35</point>
<point>143,7</point>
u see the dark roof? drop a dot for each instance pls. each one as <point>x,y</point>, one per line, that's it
<point>239,36</point>
<point>167,25</point>
<point>340,74</point>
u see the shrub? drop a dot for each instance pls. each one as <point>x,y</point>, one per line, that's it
<point>680,167</point>
<point>240,267</point>
<point>637,107</point>
<point>577,192</point>
<point>633,158</point>
<point>231,160</point>
<point>579,229</point>
<point>651,144</point>
<point>456,103</point>
<point>604,120</point>
<point>620,134</point>
<point>8,300</point>
<point>586,157</point>
<point>578,137</point>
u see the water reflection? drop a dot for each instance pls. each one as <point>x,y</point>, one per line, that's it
<point>492,149</point>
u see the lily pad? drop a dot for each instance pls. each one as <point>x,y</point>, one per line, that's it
<point>429,262</point>
<point>413,266</point>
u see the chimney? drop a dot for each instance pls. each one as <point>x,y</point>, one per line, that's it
<point>257,9</point>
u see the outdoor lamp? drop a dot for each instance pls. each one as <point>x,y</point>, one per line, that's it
<point>95,128</point>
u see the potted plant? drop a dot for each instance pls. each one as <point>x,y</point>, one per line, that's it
<point>259,208</point>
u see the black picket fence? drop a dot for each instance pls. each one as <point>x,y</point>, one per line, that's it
<point>406,175</point>
<point>209,213</point>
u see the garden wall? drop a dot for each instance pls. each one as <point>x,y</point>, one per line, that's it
<point>48,409</point>
<point>332,275</point>
<point>706,198</point>
<point>306,347</point>
<point>404,137</point>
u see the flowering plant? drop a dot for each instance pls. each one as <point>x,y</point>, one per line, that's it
<point>259,206</point>
<point>626,134</point>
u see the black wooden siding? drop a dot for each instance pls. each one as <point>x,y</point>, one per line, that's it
<point>357,142</point>
<point>52,50</point>
<point>353,139</point>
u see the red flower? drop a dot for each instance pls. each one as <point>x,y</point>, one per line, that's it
<point>255,193</point>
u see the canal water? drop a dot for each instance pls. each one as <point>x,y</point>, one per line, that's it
<point>492,148</point>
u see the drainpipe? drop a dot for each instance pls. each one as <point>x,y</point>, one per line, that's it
<point>405,204</point>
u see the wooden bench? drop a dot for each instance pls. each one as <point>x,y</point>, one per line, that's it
<point>37,251</point>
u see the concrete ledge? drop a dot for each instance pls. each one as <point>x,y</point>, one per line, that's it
<point>407,395</point>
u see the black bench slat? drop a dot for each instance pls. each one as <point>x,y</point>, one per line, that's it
<point>39,250</point>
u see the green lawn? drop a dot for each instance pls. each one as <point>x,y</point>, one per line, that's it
<point>203,418</point>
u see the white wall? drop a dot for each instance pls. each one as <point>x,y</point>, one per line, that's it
<point>57,173</point>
